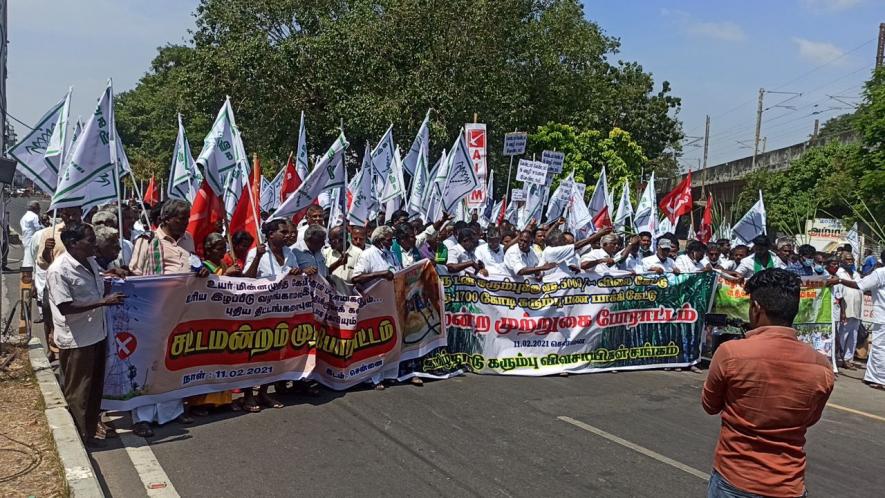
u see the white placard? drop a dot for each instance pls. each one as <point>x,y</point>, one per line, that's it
<point>531,172</point>
<point>517,195</point>
<point>554,160</point>
<point>514,143</point>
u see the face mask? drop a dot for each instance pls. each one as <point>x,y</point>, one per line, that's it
<point>808,262</point>
<point>818,269</point>
<point>849,268</point>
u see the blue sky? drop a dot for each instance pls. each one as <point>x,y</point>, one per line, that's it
<point>716,56</point>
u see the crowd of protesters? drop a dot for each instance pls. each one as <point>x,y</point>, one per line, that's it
<point>71,255</point>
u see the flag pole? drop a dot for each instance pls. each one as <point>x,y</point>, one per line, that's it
<point>255,169</point>
<point>343,191</point>
<point>112,143</point>
<point>509,177</point>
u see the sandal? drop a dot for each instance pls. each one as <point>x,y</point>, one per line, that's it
<point>416,381</point>
<point>185,419</point>
<point>269,402</point>
<point>142,429</point>
<point>880,387</point>
<point>199,411</point>
<point>251,406</point>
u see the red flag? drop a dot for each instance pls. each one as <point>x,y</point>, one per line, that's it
<point>705,231</point>
<point>152,194</point>
<point>500,218</point>
<point>245,212</point>
<point>206,213</point>
<point>291,180</point>
<point>602,219</point>
<point>678,202</point>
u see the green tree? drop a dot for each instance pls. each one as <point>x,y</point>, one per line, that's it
<point>587,151</point>
<point>515,63</point>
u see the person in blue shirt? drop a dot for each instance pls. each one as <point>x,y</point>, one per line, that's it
<point>869,263</point>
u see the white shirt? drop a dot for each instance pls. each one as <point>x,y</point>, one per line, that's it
<point>71,282</point>
<point>597,255</point>
<point>725,263</point>
<point>874,283</point>
<point>307,259</point>
<point>29,258</point>
<point>449,242</point>
<point>564,257</point>
<point>373,260</point>
<point>30,224</point>
<point>516,260</point>
<point>652,262</point>
<point>633,263</point>
<point>344,271</point>
<point>458,254</point>
<point>853,298</point>
<point>269,267</point>
<point>493,260</point>
<point>687,265</point>
<point>747,268</point>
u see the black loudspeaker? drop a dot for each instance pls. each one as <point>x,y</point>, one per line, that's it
<point>7,170</point>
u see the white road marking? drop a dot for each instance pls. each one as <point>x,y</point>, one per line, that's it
<point>635,447</point>
<point>856,412</point>
<point>156,482</point>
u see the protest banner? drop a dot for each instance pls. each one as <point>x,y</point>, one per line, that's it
<point>553,160</point>
<point>826,234</point>
<point>814,322</point>
<point>179,335</point>
<point>517,195</point>
<point>577,324</point>
<point>531,172</point>
<point>514,143</point>
<point>476,148</point>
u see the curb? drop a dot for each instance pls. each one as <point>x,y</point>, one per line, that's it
<point>79,474</point>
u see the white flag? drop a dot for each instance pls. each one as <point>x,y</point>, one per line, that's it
<point>559,201</point>
<point>394,186</point>
<point>55,151</point>
<point>362,193</point>
<point>666,226</point>
<point>579,214</point>
<point>420,182</point>
<point>853,238</point>
<point>220,155</point>
<point>89,178</point>
<point>184,176</point>
<point>647,211</point>
<point>382,158</point>
<point>234,182</point>
<point>275,187</point>
<point>752,224</point>
<point>534,204</point>
<point>416,153</point>
<point>625,209</point>
<point>29,151</point>
<point>327,174</point>
<point>301,165</point>
<point>460,176</point>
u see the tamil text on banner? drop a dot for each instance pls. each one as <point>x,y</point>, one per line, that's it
<point>179,335</point>
<point>814,322</point>
<point>579,324</point>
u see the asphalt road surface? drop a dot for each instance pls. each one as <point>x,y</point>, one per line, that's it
<point>625,434</point>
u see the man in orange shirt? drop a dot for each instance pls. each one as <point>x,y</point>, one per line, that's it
<point>769,389</point>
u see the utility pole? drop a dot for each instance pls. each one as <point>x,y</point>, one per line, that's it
<point>758,127</point>
<point>4,20</point>
<point>706,150</point>
<point>816,130</point>
<point>880,51</point>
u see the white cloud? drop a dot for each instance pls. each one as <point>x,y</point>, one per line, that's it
<point>716,30</point>
<point>830,5</point>
<point>818,52</point>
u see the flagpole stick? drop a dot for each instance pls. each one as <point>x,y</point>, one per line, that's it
<point>255,165</point>
<point>343,191</point>
<point>112,144</point>
<point>140,203</point>
<point>509,177</point>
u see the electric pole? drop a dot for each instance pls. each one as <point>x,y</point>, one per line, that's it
<point>3,39</point>
<point>880,51</point>
<point>758,127</point>
<point>706,150</point>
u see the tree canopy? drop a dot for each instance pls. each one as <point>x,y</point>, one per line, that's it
<point>517,64</point>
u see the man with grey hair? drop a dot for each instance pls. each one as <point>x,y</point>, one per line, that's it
<point>30,222</point>
<point>376,261</point>
<point>311,259</point>
<point>107,216</point>
<point>602,260</point>
<point>107,246</point>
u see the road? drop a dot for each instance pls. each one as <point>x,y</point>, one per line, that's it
<point>625,434</point>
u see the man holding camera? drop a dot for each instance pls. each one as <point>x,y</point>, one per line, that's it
<point>768,389</point>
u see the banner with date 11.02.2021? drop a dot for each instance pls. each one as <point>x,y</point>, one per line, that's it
<point>587,323</point>
<point>178,335</point>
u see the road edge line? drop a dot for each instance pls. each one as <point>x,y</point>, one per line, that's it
<point>156,481</point>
